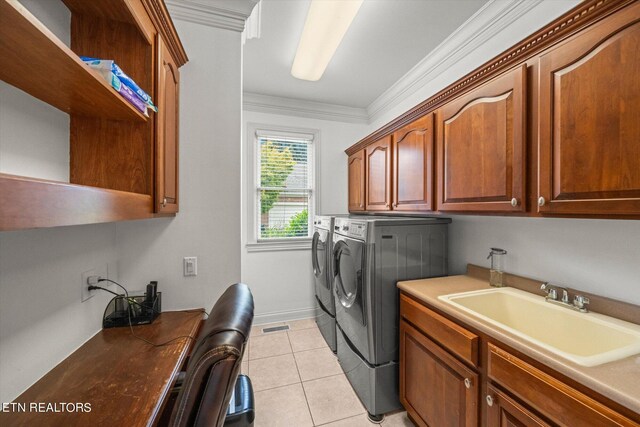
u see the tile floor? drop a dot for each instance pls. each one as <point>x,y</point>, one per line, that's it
<point>298,381</point>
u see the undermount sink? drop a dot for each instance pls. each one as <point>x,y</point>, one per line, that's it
<point>588,339</point>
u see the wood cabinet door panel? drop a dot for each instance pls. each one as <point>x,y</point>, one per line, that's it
<point>503,411</point>
<point>378,175</point>
<point>589,121</point>
<point>435,388</point>
<point>355,165</point>
<point>481,147</point>
<point>413,166</point>
<point>552,398</point>
<point>459,341</point>
<point>167,132</point>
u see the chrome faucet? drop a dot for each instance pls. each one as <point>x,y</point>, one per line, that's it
<point>579,301</point>
<point>552,293</point>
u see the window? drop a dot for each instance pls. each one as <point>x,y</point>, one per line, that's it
<point>284,185</point>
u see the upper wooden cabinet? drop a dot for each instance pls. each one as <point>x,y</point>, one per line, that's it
<point>356,181</point>
<point>481,147</point>
<point>378,175</point>
<point>123,165</point>
<point>589,123</point>
<point>413,166</point>
<point>167,132</point>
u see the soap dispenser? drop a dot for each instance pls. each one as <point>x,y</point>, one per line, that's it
<point>497,257</point>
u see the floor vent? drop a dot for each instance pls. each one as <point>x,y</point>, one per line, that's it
<point>275,328</point>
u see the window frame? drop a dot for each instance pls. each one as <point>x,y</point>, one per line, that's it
<point>254,132</point>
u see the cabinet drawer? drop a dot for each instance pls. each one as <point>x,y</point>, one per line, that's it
<point>559,402</point>
<point>455,338</point>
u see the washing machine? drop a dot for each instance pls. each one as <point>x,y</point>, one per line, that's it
<point>369,256</point>
<point>321,265</point>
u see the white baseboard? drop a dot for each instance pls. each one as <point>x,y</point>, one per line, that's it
<point>282,316</point>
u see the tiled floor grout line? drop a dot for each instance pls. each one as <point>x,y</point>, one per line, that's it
<point>303,390</point>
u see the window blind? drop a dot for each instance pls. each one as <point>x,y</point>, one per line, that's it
<point>284,185</point>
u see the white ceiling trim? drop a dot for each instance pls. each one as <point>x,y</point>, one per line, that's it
<point>224,14</point>
<point>302,108</point>
<point>477,30</point>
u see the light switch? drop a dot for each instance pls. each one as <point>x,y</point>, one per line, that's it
<point>190,266</point>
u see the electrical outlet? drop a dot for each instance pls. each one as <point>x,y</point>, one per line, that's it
<point>190,266</point>
<point>85,277</point>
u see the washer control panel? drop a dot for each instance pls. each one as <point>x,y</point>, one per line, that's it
<point>322,222</point>
<point>351,228</point>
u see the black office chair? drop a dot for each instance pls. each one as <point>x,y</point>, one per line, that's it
<point>211,380</point>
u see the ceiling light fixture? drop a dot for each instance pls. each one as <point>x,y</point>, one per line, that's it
<point>326,24</point>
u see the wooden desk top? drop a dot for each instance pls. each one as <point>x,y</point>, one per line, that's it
<point>123,379</point>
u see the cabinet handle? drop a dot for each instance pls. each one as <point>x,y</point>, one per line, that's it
<point>467,383</point>
<point>395,205</point>
<point>514,202</point>
<point>164,202</point>
<point>541,201</point>
<point>489,400</point>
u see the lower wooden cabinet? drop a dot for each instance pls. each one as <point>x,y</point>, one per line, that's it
<point>503,411</point>
<point>435,388</point>
<point>559,402</point>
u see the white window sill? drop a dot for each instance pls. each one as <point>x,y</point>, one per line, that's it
<point>279,245</point>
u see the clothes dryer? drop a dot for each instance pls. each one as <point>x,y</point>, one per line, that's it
<point>369,256</point>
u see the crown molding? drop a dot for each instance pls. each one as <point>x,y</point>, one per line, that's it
<point>224,14</point>
<point>492,18</point>
<point>302,108</point>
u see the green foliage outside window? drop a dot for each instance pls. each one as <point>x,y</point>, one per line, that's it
<point>276,165</point>
<point>298,227</point>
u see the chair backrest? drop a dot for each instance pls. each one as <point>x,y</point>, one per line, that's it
<point>215,361</point>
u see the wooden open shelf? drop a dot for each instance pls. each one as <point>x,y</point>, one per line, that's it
<point>36,203</point>
<point>33,59</point>
<point>130,12</point>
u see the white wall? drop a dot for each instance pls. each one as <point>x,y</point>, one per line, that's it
<point>41,317</point>
<point>599,256</point>
<point>282,281</point>
<point>40,150</point>
<point>208,224</point>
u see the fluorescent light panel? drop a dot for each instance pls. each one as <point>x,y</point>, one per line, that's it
<point>326,24</point>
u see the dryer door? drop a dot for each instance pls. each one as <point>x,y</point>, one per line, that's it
<point>319,252</point>
<point>348,258</point>
<point>319,257</point>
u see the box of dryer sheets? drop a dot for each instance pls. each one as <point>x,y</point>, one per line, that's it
<point>122,83</point>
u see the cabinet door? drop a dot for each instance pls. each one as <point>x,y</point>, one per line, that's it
<point>378,175</point>
<point>560,403</point>
<point>481,147</point>
<point>166,193</point>
<point>503,411</point>
<point>435,388</point>
<point>356,181</point>
<point>413,166</point>
<point>589,161</point>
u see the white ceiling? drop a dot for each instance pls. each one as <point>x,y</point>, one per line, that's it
<point>387,38</point>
